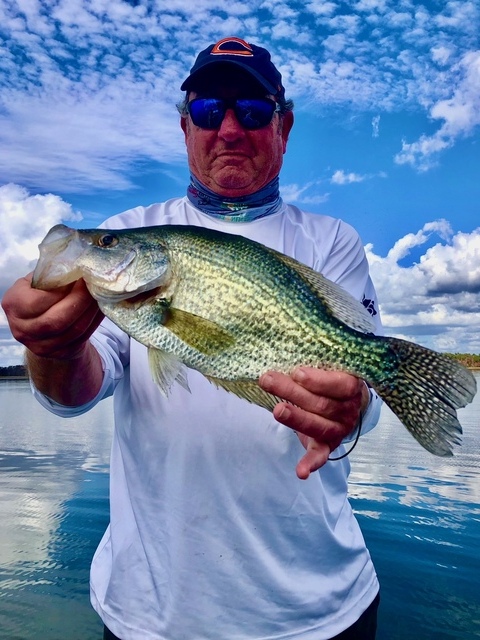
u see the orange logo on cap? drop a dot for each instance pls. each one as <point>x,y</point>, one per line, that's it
<point>222,48</point>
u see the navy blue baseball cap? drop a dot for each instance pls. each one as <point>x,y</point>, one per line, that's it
<point>253,59</point>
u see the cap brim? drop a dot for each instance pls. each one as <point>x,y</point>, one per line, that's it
<point>187,84</point>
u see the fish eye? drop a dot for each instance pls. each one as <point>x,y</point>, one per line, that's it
<point>107,240</point>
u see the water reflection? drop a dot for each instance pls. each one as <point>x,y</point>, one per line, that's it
<point>388,460</point>
<point>420,516</point>
<point>53,494</point>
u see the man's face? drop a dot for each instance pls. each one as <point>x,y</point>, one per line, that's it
<point>233,161</point>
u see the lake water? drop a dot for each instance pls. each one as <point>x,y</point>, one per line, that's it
<point>420,516</point>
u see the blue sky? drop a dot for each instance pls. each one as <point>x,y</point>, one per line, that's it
<point>386,136</point>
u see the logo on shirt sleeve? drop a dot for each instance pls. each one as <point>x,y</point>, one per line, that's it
<point>369,305</point>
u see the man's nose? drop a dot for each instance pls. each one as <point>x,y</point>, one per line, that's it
<point>231,129</point>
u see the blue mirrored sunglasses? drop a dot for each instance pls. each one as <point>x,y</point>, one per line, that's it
<point>251,113</point>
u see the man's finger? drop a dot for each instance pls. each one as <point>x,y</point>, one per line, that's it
<point>315,457</point>
<point>310,424</point>
<point>333,384</point>
<point>316,403</point>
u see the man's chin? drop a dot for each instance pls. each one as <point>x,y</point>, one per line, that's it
<point>232,183</point>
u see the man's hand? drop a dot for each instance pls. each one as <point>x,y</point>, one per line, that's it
<point>55,327</point>
<point>325,408</point>
<point>51,324</point>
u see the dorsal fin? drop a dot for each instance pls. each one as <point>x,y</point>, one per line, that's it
<point>342,304</point>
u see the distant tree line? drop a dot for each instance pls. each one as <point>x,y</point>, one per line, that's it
<point>471,360</point>
<point>16,370</point>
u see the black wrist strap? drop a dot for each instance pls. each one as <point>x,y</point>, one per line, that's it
<point>353,445</point>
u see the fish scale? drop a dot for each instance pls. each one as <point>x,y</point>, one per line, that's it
<point>259,331</point>
<point>233,309</point>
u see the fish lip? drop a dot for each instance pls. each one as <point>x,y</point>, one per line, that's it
<point>106,296</point>
<point>56,241</point>
<point>59,235</point>
<point>137,297</point>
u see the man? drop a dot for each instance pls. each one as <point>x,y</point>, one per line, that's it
<point>212,536</point>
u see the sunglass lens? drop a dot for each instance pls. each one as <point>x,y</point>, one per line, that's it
<point>207,113</point>
<point>254,114</point>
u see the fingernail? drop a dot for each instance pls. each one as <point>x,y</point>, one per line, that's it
<point>266,381</point>
<point>283,413</point>
<point>299,375</point>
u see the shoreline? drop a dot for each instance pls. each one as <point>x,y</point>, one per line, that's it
<point>26,377</point>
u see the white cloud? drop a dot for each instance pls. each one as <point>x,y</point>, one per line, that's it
<point>460,114</point>
<point>371,5</point>
<point>458,13</point>
<point>285,29</point>
<point>297,193</point>
<point>454,268</point>
<point>322,8</point>
<point>340,177</point>
<point>335,43</point>
<point>402,247</point>
<point>83,138</point>
<point>24,220</point>
<point>441,54</point>
<point>434,301</point>
<point>400,19</point>
<point>10,352</point>
<point>350,25</point>
<point>88,89</point>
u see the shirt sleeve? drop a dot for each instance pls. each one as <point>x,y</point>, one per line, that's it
<point>369,418</point>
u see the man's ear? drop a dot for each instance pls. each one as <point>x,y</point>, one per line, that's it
<point>184,125</point>
<point>287,124</point>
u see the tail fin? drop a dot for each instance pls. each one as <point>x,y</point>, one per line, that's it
<point>425,391</point>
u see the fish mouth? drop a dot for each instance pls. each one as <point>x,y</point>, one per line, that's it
<point>135,299</point>
<point>140,294</point>
<point>66,256</point>
<point>50,273</point>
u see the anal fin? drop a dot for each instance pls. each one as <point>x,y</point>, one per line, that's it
<point>247,390</point>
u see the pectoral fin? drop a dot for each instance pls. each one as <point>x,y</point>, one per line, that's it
<point>166,369</point>
<point>201,334</point>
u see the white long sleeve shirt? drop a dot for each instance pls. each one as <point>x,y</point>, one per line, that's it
<point>212,536</point>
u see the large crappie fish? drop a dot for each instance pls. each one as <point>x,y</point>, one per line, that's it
<point>233,309</point>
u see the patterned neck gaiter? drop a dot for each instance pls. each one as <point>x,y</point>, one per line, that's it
<point>243,209</point>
